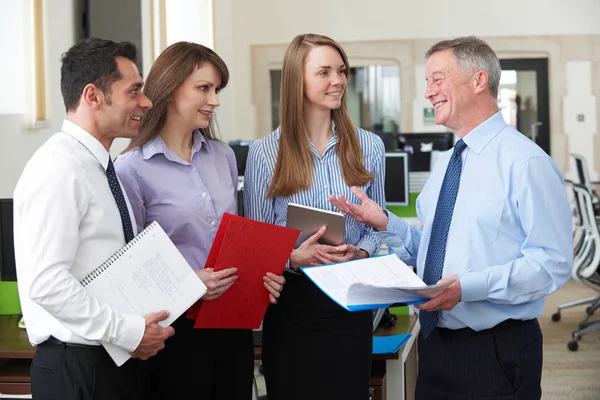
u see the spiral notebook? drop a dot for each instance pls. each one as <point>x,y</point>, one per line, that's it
<point>146,275</point>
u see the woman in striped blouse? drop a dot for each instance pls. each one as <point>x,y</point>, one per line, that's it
<point>312,348</point>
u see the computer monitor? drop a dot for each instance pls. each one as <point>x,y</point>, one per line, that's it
<point>389,140</point>
<point>420,145</point>
<point>396,179</point>
<point>240,149</point>
<point>8,271</point>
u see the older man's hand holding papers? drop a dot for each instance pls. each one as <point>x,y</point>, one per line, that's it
<point>445,294</point>
<point>372,283</point>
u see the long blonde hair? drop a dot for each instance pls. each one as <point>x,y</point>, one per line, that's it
<point>294,168</point>
<point>174,65</point>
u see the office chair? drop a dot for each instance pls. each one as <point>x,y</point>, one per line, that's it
<point>586,264</point>
<point>584,179</point>
<point>586,248</point>
<point>582,244</point>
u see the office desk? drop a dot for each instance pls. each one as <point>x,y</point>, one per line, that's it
<point>15,359</point>
<point>400,367</point>
<point>393,376</point>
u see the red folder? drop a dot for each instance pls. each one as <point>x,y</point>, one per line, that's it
<point>254,248</point>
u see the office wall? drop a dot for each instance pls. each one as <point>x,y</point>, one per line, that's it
<point>19,140</point>
<point>240,25</point>
<point>262,23</point>
<point>10,27</point>
<point>126,24</point>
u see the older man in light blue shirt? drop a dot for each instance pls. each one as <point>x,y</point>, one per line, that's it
<point>509,239</point>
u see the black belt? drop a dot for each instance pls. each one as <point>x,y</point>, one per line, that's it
<point>54,341</point>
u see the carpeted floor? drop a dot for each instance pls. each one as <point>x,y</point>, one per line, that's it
<point>569,375</point>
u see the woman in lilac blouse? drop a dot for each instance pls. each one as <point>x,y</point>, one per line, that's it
<point>176,172</point>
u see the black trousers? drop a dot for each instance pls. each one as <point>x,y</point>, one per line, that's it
<point>313,348</point>
<point>501,363</point>
<point>60,372</point>
<point>204,364</point>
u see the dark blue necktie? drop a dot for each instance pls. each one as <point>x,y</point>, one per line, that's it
<point>115,188</point>
<point>436,252</point>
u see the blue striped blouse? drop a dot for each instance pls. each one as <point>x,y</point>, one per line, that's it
<point>327,179</point>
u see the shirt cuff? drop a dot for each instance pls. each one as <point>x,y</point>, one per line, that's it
<point>474,286</point>
<point>288,268</point>
<point>391,239</point>
<point>367,245</point>
<point>131,332</point>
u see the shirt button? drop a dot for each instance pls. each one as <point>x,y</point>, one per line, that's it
<point>322,161</point>
<point>203,194</point>
<point>214,223</point>
<point>325,187</point>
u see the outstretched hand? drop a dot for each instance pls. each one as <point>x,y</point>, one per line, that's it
<point>368,212</point>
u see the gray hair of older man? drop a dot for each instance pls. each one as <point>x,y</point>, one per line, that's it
<point>472,54</point>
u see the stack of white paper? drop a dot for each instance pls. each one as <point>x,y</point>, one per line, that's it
<point>372,283</point>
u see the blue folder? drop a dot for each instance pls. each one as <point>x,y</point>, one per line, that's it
<point>389,344</point>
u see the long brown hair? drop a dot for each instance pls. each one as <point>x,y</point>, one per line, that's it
<point>175,64</point>
<point>294,168</point>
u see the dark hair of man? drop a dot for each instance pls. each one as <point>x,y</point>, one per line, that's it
<point>92,60</point>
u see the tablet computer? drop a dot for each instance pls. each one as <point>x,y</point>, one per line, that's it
<point>310,219</point>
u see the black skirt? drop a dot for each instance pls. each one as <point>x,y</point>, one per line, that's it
<point>313,348</point>
<point>207,364</point>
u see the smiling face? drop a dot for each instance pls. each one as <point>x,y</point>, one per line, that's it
<point>195,100</point>
<point>324,78</point>
<point>449,89</point>
<point>125,105</point>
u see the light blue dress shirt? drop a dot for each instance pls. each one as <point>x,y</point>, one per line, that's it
<point>510,239</point>
<point>327,179</point>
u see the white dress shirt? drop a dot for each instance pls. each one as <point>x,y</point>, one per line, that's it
<point>66,223</point>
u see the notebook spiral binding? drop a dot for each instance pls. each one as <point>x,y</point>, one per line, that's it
<point>98,271</point>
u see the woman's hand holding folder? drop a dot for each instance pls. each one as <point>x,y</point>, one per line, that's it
<point>274,285</point>
<point>216,282</point>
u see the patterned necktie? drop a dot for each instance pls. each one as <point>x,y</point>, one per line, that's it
<point>115,188</point>
<point>436,252</point>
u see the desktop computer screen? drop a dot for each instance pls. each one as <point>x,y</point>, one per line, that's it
<point>240,149</point>
<point>390,141</point>
<point>420,146</point>
<point>8,270</point>
<point>396,179</point>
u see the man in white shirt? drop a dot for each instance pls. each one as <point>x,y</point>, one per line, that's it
<point>68,220</point>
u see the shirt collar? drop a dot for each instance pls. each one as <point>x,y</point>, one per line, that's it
<point>278,131</point>
<point>158,146</point>
<point>479,137</point>
<point>87,140</point>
